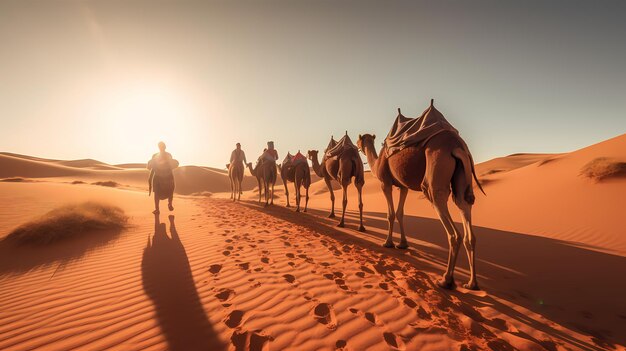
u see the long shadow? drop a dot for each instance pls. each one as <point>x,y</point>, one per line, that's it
<point>534,272</point>
<point>168,281</point>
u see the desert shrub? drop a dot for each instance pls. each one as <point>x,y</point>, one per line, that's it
<point>67,222</point>
<point>602,168</point>
<point>14,180</point>
<point>109,183</point>
<point>78,182</point>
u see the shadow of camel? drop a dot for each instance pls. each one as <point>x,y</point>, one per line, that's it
<point>168,282</point>
<point>510,265</point>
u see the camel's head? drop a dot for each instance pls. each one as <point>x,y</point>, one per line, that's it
<point>312,154</point>
<point>365,139</point>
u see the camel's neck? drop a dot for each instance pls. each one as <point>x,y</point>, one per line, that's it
<point>317,168</point>
<point>252,170</point>
<point>372,156</point>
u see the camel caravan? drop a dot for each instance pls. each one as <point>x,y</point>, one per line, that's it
<point>425,154</point>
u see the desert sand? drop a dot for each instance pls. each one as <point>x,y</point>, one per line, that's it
<point>222,275</point>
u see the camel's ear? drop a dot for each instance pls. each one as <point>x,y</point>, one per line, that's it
<point>373,136</point>
<point>399,112</point>
<point>360,137</point>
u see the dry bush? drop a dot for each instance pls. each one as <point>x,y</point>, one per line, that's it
<point>109,183</point>
<point>15,180</point>
<point>68,222</point>
<point>603,168</point>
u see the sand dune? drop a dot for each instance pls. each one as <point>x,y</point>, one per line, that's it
<point>224,275</point>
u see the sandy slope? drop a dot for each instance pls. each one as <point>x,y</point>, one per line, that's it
<point>237,276</point>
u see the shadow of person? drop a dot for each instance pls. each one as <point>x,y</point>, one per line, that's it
<point>168,282</point>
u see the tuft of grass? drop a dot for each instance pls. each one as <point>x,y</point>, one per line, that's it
<point>603,168</point>
<point>15,180</point>
<point>108,183</point>
<point>69,222</point>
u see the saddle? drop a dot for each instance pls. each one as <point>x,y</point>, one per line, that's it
<point>418,131</point>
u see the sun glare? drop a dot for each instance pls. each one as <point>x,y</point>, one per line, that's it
<point>141,115</point>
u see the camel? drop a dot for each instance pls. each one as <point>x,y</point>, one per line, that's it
<point>235,174</point>
<point>300,175</point>
<point>341,168</point>
<point>259,177</point>
<point>267,169</point>
<point>442,166</point>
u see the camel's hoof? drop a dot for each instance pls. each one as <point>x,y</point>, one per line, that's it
<point>361,228</point>
<point>288,206</point>
<point>304,210</point>
<point>388,244</point>
<point>297,210</point>
<point>402,246</point>
<point>341,225</point>
<point>332,215</point>
<point>447,284</point>
<point>171,208</point>
<point>156,212</point>
<point>471,286</point>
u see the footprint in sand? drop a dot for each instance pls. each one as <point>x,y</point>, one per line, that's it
<point>225,294</point>
<point>245,266</point>
<point>215,268</point>
<point>394,341</point>
<point>372,318</point>
<point>250,340</point>
<point>226,253</point>
<point>340,344</point>
<point>234,319</point>
<point>409,302</point>
<point>229,247</point>
<point>325,314</point>
<point>289,278</point>
<point>290,255</point>
<point>360,274</point>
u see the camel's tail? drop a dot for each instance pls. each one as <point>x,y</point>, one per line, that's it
<point>468,165</point>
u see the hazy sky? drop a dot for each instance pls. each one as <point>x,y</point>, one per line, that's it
<point>109,79</point>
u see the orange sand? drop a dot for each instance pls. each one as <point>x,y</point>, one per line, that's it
<point>235,275</point>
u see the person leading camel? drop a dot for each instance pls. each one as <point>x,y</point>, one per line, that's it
<point>161,179</point>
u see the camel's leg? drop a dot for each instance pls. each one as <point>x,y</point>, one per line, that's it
<point>272,198</point>
<point>232,188</point>
<point>344,204</point>
<point>470,243</point>
<point>391,215</point>
<point>332,197</point>
<point>400,216</point>
<point>359,188</point>
<point>298,183</point>
<point>306,203</point>
<point>267,199</point>
<point>258,181</point>
<point>286,191</point>
<point>240,191</point>
<point>440,202</point>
